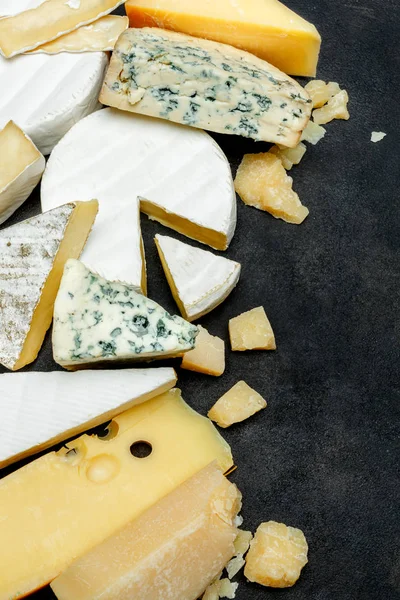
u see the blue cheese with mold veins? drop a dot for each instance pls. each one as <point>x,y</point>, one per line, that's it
<point>100,321</point>
<point>204,84</point>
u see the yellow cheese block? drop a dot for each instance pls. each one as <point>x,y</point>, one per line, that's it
<point>208,356</point>
<point>63,504</point>
<point>265,28</point>
<point>252,331</point>
<point>238,404</point>
<point>173,550</point>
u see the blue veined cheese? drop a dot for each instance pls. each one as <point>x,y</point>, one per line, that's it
<point>100,321</point>
<point>204,84</point>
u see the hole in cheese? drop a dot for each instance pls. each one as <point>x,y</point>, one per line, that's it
<point>141,449</point>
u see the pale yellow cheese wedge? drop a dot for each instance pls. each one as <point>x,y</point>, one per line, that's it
<point>265,28</point>
<point>238,404</point>
<point>173,550</point>
<point>336,108</point>
<point>63,504</point>
<point>49,21</point>
<point>320,92</point>
<point>208,356</point>
<point>252,331</point>
<point>313,133</point>
<point>289,156</point>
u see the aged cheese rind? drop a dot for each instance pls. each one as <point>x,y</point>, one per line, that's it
<point>172,551</point>
<point>32,258</point>
<point>208,355</point>
<point>204,84</point>
<point>21,167</point>
<point>39,410</point>
<point>57,504</point>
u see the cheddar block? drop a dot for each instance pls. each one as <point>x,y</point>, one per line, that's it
<point>49,21</point>
<point>265,28</point>
<point>173,550</point>
<point>320,92</point>
<point>63,504</point>
<point>99,36</point>
<point>21,167</point>
<point>238,404</point>
<point>289,156</point>
<point>208,355</point>
<point>336,108</point>
<point>252,331</point>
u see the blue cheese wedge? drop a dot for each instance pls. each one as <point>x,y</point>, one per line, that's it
<point>204,84</point>
<point>101,321</point>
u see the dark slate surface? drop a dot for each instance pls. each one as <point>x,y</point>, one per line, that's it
<point>324,454</point>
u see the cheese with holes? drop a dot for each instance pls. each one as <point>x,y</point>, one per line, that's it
<point>206,85</point>
<point>63,504</point>
<point>32,258</point>
<point>238,404</point>
<point>39,410</point>
<point>173,550</point>
<point>21,167</point>
<point>252,331</point>
<point>199,280</point>
<point>265,28</point>
<point>208,355</point>
<point>102,321</point>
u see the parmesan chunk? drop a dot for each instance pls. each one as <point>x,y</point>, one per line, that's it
<point>336,108</point>
<point>235,565</point>
<point>252,331</point>
<point>208,355</point>
<point>320,92</point>
<point>227,589</point>
<point>289,156</point>
<point>242,542</point>
<point>377,136</point>
<point>238,404</point>
<point>313,133</point>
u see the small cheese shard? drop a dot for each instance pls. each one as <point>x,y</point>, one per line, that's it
<point>265,28</point>
<point>63,504</point>
<point>277,555</point>
<point>377,136</point>
<point>242,542</point>
<point>336,108</point>
<point>173,550</point>
<point>52,19</point>
<point>32,257</point>
<point>320,92</point>
<point>227,589</point>
<point>21,167</point>
<point>289,156</point>
<point>262,182</point>
<point>101,35</point>
<point>313,133</point>
<point>238,404</point>
<point>252,331</point>
<point>204,84</point>
<point>208,355</point>
<point>101,321</point>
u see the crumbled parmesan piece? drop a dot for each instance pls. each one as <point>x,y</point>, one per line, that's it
<point>289,156</point>
<point>377,136</point>
<point>252,331</point>
<point>277,555</point>
<point>320,92</point>
<point>238,404</point>
<point>313,133</point>
<point>208,355</point>
<point>227,589</point>
<point>235,565</point>
<point>212,592</point>
<point>242,542</point>
<point>336,108</point>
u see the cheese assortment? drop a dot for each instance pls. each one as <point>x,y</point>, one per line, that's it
<point>21,167</point>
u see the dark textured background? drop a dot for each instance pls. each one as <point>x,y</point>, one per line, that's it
<point>324,454</point>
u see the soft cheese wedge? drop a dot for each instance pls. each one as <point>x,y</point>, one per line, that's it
<point>101,321</point>
<point>199,280</point>
<point>204,84</point>
<point>63,504</point>
<point>32,257</point>
<point>173,550</point>
<point>21,167</point>
<point>39,410</point>
<point>265,28</point>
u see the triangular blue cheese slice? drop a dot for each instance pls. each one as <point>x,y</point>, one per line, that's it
<point>101,321</point>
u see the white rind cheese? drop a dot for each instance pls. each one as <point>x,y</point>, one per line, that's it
<point>100,321</point>
<point>38,410</point>
<point>199,280</point>
<point>204,84</point>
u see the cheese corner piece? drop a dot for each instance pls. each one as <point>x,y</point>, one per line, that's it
<point>336,108</point>
<point>265,28</point>
<point>21,167</point>
<point>289,156</point>
<point>238,404</point>
<point>251,331</point>
<point>204,84</point>
<point>208,355</point>
<point>320,92</point>
<point>173,550</point>
<point>199,280</point>
<point>61,405</point>
<point>63,504</point>
<point>101,321</point>
<point>32,257</point>
<point>313,133</point>
<point>277,555</point>
<point>262,182</point>
<point>49,21</point>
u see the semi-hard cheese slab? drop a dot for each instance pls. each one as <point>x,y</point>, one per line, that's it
<point>63,504</point>
<point>32,258</point>
<point>204,84</point>
<point>38,410</point>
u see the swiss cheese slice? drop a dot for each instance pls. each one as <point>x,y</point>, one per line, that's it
<point>21,167</point>
<point>32,258</point>
<point>63,504</point>
<point>38,410</point>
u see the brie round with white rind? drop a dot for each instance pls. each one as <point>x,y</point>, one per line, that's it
<point>199,280</point>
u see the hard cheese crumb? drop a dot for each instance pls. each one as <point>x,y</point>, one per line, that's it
<point>208,355</point>
<point>262,182</point>
<point>238,404</point>
<point>252,331</point>
<point>336,108</point>
<point>277,555</point>
<point>227,589</point>
<point>289,156</point>
<point>320,92</point>
<point>377,136</point>
<point>242,542</point>
<point>313,133</point>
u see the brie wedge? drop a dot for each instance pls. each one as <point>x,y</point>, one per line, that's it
<point>199,280</point>
<point>21,167</point>
<point>38,410</point>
